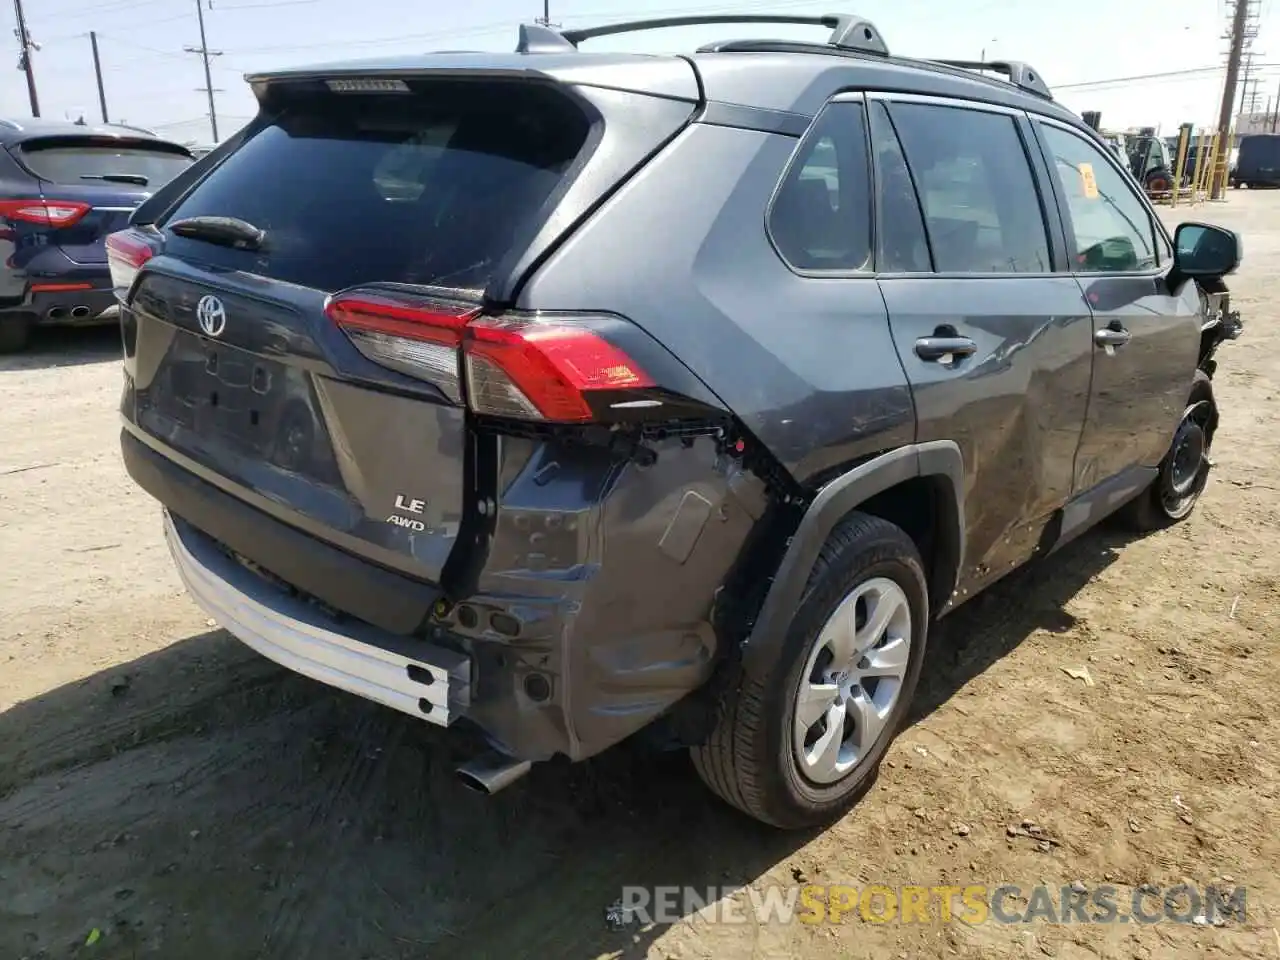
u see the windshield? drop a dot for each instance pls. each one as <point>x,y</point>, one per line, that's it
<point>87,163</point>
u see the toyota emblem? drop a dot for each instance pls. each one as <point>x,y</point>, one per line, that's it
<point>212,315</point>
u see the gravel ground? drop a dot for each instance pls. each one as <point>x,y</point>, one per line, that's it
<point>166,792</point>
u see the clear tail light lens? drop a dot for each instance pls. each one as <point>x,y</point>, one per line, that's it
<point>414,335</point>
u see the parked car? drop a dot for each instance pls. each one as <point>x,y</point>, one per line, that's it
<point>1257,161</point>
<point>63,187</point>
<point>568,397</point>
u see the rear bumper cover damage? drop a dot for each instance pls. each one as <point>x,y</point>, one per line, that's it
<point>416,678</point>
<point>590,620</point>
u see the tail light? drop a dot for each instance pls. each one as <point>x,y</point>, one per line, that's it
<point>413,335</point>
<point>126,253</point>
<point>526,367</point>
<point>45,213</point>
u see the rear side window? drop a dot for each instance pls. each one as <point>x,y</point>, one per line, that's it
<point>980,202</point>
<point>435,187</point>
<point>84,162</point>
<point>820,218</point>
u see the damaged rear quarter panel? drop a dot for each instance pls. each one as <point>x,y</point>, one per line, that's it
<point>611,569</point>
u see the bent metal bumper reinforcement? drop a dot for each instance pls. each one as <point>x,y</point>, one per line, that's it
<point>414,677</point>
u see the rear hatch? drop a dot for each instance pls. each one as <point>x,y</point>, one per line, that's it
<point>240,370</point>
<point>105,177</point>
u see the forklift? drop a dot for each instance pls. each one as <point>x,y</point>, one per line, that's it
<point>1149,161</point>
<point>1145,154</point>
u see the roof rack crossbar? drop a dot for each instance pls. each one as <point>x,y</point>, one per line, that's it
<point>847,32</point>
<point>1020,74</point>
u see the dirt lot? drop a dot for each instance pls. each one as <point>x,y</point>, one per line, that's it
<point>166,792</point>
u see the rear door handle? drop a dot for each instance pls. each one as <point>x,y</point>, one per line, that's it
<point>935,349</point>
<point>1112,335</point>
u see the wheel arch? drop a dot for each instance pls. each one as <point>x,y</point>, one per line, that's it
<point>920,487</point>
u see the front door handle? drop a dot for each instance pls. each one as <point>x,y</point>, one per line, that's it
<point>934,349</point>
<point>1112,335</point>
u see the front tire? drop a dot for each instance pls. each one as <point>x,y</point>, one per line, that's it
<point>1184,470</point>
<point>798,745</point>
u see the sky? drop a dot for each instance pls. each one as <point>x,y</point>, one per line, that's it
<point>1084,51</point>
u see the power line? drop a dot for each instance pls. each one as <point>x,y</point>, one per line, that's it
<point>1191,71</point>
<point>495,26</point>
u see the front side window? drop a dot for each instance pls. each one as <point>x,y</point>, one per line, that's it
<point>980,203</point>
<point>820,218</point>
<point>1112,229</point>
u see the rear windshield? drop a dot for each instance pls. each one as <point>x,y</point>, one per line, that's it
<point>87,162</point>
<point>433,187</point>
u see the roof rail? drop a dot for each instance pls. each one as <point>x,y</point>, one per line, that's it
<point>1020,74</point>
<point>848,32</point>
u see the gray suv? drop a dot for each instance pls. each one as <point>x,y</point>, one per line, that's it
<point>564,395</point>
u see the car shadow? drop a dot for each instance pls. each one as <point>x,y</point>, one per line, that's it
<point>201,801</point>
<point>52,347</point>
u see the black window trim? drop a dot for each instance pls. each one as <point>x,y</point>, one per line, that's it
<point>868,272</point>
<point>1064,211</point>
<point>1049,212</point>
<point>872,102</point>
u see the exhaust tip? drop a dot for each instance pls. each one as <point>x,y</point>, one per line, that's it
<point>56,313</point>
<point>472,782</point>
<point>80,312</point>
<point>491,772</point>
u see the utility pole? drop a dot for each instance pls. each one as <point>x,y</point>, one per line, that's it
<point>26,45</point>
<point>1229,97</point>
<point>97,70</point>
<point>205,54</point>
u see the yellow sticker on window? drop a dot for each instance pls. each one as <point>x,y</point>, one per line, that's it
<point>1090,184</point>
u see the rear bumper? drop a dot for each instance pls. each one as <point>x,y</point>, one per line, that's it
<point>387,600</point>
<point>414,677</point>
<point>566,660</point>
<point>70,306</point>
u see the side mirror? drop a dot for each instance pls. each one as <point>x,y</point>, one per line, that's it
<point>1202,250</point>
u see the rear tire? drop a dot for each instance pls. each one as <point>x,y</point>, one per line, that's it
<point>15,332</point>
<point>1184,470</point>
<point>763,755</point>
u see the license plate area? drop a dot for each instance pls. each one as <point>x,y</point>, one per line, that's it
<point>257,407</point>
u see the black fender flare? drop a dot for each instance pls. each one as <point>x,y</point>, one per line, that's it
<point>832,504</point>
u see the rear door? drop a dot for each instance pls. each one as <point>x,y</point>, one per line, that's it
<point>1146,335</point>
<point>111,176</point>
<point>993,333</point>
<point>238,372</point>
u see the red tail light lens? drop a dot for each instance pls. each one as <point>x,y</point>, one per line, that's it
<point>46,213</point>
<point>126,253</point>
<point>542,369</point>
<point>531,368</point>
<point>414,335</point>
